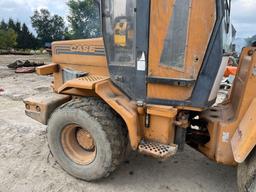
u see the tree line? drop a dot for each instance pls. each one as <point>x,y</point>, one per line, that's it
<point>16,35</point>
<point>83,22</point>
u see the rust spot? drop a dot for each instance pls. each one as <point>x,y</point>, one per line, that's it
<point>240,133</point>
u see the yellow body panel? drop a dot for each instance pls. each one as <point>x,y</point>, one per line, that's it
<point>225,119</point>
<point>244,139</point>
<point>87,55</point>
<point>162,128</point>
<point>124,107</point>
<point>47,69</point>
<point>86,52</point>
<point>198,36</point>
<point>88,82</point>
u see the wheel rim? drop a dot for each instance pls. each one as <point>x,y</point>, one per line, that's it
<point>78,144</point>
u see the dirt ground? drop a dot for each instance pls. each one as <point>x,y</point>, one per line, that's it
<point>27,166</point>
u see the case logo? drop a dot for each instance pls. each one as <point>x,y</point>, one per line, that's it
<point>83,48</point>
<point>97,50</point>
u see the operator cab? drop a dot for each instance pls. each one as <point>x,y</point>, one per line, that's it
<point>164,52</point>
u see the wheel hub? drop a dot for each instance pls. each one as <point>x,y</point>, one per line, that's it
<point>85,139</point>
<point>78,144</point>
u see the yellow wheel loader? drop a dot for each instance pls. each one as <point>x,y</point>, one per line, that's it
<point>150,84</point>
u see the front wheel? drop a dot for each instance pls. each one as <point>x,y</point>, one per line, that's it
<point>246,174</point>
<point>87,138</point>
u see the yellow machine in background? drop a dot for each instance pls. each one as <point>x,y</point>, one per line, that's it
<point>151,84</point>
<point>121,33</point>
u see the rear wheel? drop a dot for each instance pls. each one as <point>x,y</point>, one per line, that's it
<point>87,138</point>
<point>246,174</point>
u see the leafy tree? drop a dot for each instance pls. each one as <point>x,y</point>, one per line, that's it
<point>7,38</point>
<point>84,19</point>
<point>24,38</point>
<point>49,28</point>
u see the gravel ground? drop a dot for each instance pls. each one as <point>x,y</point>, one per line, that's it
<point>26,165</point>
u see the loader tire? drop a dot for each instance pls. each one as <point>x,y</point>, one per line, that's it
<point>87,138</point>
<point>246,174</point>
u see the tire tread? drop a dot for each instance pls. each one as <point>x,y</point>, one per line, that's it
<point>111,123</point>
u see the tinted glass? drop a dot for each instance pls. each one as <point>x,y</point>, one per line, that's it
<point>175,43</point>
<point>119,26</point>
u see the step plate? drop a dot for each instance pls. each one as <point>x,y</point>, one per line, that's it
<point>157,150</point>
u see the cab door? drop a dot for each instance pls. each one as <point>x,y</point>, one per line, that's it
<point>179,35</point>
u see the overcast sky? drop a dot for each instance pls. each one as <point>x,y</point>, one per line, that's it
<point>243,13</point>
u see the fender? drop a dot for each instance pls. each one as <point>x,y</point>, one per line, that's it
<point>123,106</point>
<point>117,100</point>
<point>244,139</point>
